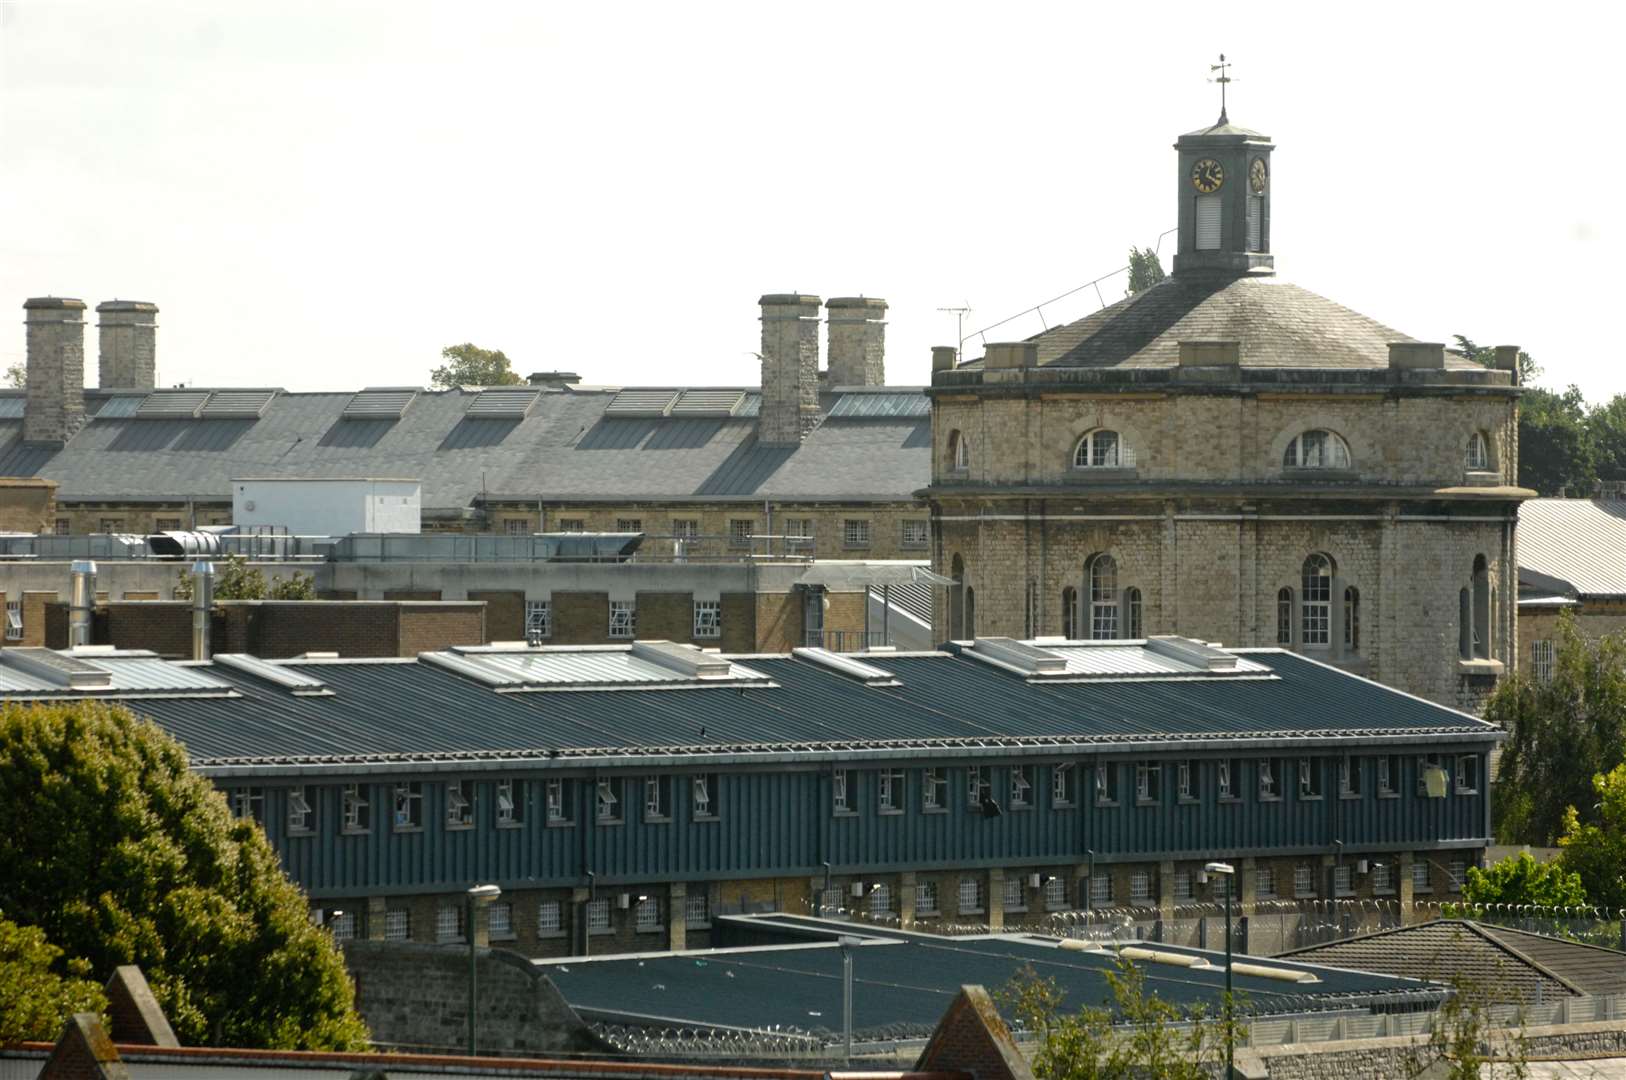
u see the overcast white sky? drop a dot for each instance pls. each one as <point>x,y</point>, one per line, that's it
<point>322,194</point>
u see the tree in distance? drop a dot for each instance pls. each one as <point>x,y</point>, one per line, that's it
<point>1520,879</point>
<point>237,579</point>
<point>1144,270</point>
<point>1596,850</point>
<point>35,999</point>
<point>470,365</point>
<point>17,375</point>
<point>117,853</point>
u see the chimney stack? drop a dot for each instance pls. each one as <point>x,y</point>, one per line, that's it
<point>129,344</point>
<point>203,606</point>
<point>56,369</point>
<point>81,601</point>
<point>944,357</point>
<point>790,368</point>
<point>857,341</point>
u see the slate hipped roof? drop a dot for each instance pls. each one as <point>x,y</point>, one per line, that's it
<point>565,448</point>
<point>1279,325</point>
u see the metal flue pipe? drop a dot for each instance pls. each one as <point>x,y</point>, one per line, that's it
<point>203,602</point>
<point>81,601</point>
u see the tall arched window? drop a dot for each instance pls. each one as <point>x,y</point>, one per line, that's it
<point>1103,575</point>
<point>1132,613</point>
<point>959,452</point>
<point>957,593</point>
<point>1352,619</point>
<point>1482,611</point>
<point>1315,627</point>
<point>1465,624</point>
<point>1100,449</point>
<point>1478,452</point>
<point>1284,617</point>
<point>1069,613</point>
<point>970,612</point>
<point>1317,450</point>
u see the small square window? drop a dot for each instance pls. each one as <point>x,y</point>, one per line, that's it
<point>970,895</point>
<point>407,803</point>
<point>703,796</point>
<point>855,533</point>
<point>1383,877</point>
<point>1015,898</point>
<point>549,918</point>
<point>460,804</point>
<point>342,925</point>
<point>167,525</point>
<point>572,525</point>
<point>623,618</point>
<point>1264,882</point>
<point>629,525</point>
<point>649,915</point>
<point>397,925</point>
<point>1420,881</point>
<point>916,533</point>
<point>1303,880</point>
<point>1140,888</point>
<point>510,803</point>
<point>538,621</point>
<point>934,790</point>
<point>515,526</point>
<point>686,528</point>
<point>740,531</point>
<point>301,815</point>
<point>926,897</point>
<point>1343,881</point>
<point>697,909</point>
<point>607,802</point>
<point>708,618</point>
<point>500,920</point>
<point>449,923</point>
<point>64,527</point>
<point>598,915</point>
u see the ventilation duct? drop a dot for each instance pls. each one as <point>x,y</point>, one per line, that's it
<point>203,602</point>
<point>81,601</point>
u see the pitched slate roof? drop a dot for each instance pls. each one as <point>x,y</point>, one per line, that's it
<point>1279,325</point>
<point>1579,543</point>
<point>564,447</point>
<point>1515,965</point>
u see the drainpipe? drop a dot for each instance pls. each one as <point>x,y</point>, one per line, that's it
<point>82,599</point>
<point>203,602</point>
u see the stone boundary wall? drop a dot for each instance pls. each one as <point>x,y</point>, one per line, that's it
<point>1357,1059</point>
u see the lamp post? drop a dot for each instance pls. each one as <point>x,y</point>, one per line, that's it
<point>478,898</point>
<point>847,943</point>
<point>1229,873</point>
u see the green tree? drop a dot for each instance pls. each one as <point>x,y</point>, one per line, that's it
<point>1144,270</point>
<point>120,854</point>
<point>1606,425</point>
<point>1556,449</point>
<point>1520,879</point>
<point>1596,850</point>
<point>471,365</point>
<point>17,375</point>
<point>1529,370</point>
<point>238,579</point>
<point>1463,1038</point>
<point>1562,731</point>
<point>36,999</point>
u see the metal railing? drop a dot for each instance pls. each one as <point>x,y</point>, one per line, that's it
<point>845,640</point>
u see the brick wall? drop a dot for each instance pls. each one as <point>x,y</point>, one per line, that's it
<point>739,623</point>
<point>27,504</point>
<point>666,615</point>
<point>778,621</point>
<point>505,613</point>
<point>580,618</point>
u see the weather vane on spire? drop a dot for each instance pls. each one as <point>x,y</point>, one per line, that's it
<point>1224,78</point>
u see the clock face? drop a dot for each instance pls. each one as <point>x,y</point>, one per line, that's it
<point>1258,177</point>
<point>1207,175</point>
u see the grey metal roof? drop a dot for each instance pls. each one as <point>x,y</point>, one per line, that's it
<point>943,703</point>
<point>903,981</point>
<point>565,447</point>
<point>1279,325</point>
<point>1579,542</point>
<point>125,675</point>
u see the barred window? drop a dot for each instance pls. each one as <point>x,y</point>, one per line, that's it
<point>1303,880</point>
<point>1383,878</point>
<point>1542,655</point>
<point>649,915</point>
<point>449,922</point>
<point>880,899</point>
<point>460,804</point>
<point>1456,873</point>
<point>740,531</point>
<point>1015,898</point>
<point>1103,574</point>
<point>549,918</point>
<point>500,919</point>
<point>342,925</point>
<point>515,526</point>
<point>1264,882</point>
<point>708,618</point>
<point>357,816</point>
<point>799,531</point>
<point>1420,881</point>
<point>686,528</point>
<point>934,789</point>
<point>926,898</point>
<point>598,915</point>
<point>1316,608</point>
<point>1140,887</point>
<point>629,525</point>
<point>697,909</point>
<point>970,894</point>
<point>408,806</point>
<point>301,817</point>
<point>623,618</point>
<point>397,925</point>
<point>510,802</point>
<point>1021,786</point>
<point>830,901</point>
<point>538,621</point>
<point>855,532</point>
<point>572,525</point>
<point>1055,892</point>
<point>1343,881</point>
<point>1100,450</point>
<point>63,527</point>
<point>916,533</point>
<point>1100,889</point>
<point>1184,893</point>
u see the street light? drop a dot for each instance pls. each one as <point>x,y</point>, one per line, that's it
<point>478,898</point>
<point>1229,873</point>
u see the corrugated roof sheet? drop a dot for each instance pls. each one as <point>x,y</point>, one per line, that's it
<point>1581,542</point>
<point>881,405</point>
<point>171,404</point>
<point>708,402</point>
<point>513,403</point>
<point>130,675</point>
<point>237,404</point>
<point>11,406</point>
<point>379,403</point>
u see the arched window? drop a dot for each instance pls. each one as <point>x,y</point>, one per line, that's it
<point>1103,577</point>
<point>1284,617</point>
<point>1352,619</point>
<point>970,612</point>
<point>1482,612</point>
<point>1317,450</point>
<point>1315,626</point>
<point>1465,624</point>
<point>1478,452</point>
<point>957,593</point>
<point>1100,450</point>
<point>1132,613</point>
<point>959,452</point>
<point>1069,613</point>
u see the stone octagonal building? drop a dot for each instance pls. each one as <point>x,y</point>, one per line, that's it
<point>1228,456</point>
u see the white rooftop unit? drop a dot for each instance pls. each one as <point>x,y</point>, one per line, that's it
<point>327,506</point>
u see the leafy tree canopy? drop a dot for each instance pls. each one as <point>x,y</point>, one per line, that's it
<point>470,365</point>
<point>1596,850</point>
<point>1520,879</point>
<point>119,854</point>
<point>1563,731</point>
<point>17,375</point>
<point>1557,444</point>
<point>238,579</point>
<point>35,998</point>
<point>1144,270</point>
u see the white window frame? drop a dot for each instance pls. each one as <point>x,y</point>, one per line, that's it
<point>538,620</point>
<point>970,895</point>
<point>891,794</point>
<point>1315,601</point>
<point>550,918</point>
<point>357,816</point>
<point>606,802</point>
<point>855,533</point>
<point>1184,890</point>
<point>623,619</point>
<point>703,796</point>
<point>934,789</point>
<point>301,811</point>
<point>1062,778</point>
<point>879,900</point>
<point>500,920</point>
<point>1101,889</point>
<point>448,923</point>
<point>1021,787</point>
<point>1226,776</point>
<point>1055,892</point>
<point>697,909</point>
<point>926,898</point>
<point>841,801</point>
<point>1383,878</point>
<point>1148,783</point>
<point>1270,784</point>
<point>397,925</point>
<point>1015,898</point>
<point>978,786</point>
<point>1456,875</point>
<point>1103,591</point>
<point>915,533</point>
<point>686,528</point>
<point>1318,448</point>
<point>741,532</point>
<point>1465,777</point>
<point>598,915</point>
<point>1309,779</point>
<point>248,803</point>
<point>1478,452</point>
<point>1542,658</point>
<point>629,525</point>
<point>1264,882</point>
<point>558,813</point>
<point>1303,880</point>
<point>460,804</point>
<point>510,801</point>
<point>572,525</point>
<point>657,798</point>
<point>342,925</point>
<point>14,620</point>
<point>1186,780</point>
<point>1140,888</point>
<point>1106,783</point>
<point>1343,880</point>
<point>406,806</point>
<point>708,618</point>
<point>515,526</point>
<point>1421,882</point>
<point>647,916</point>
<point>1102,448</point>
<point>959,452</point>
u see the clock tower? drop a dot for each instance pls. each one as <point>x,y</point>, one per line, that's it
<point>1224,191</point>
